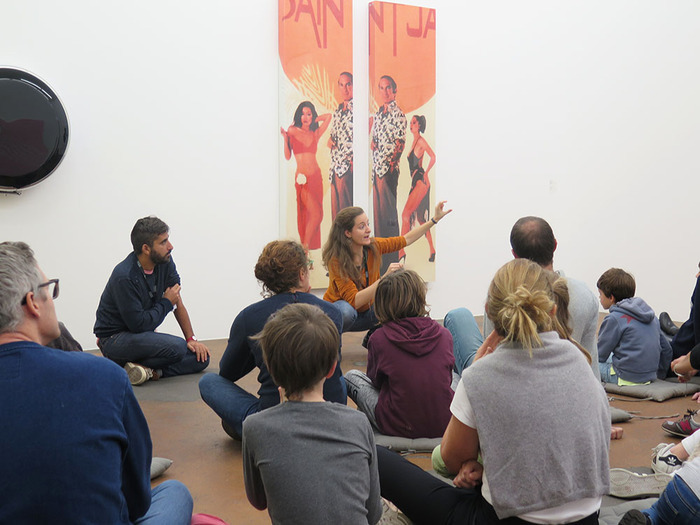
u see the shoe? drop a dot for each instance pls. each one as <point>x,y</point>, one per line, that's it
<point>635,517</point>
<point>684,427</point>
<point>392,516</point>
<point>667,325</point>
<point>662,461</point>
<point>138,374</point>
<point>230,431</point>
<point>432,257</point>
<point>628,484</point>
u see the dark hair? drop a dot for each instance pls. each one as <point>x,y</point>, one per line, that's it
<point>349,75</point>
<point>338,246</point>
<point>299,345</point>
<point>392,82</point>
<point>278,266</point>
<point>532,238</point>
<point>421,122</point>
<point>617,283</point>
<point>300,110</point>
<point>145,231</point>
<point>399,295</point>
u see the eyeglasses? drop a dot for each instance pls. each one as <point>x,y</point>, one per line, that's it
<point>53,293</point>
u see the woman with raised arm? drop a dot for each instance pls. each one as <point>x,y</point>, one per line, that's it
<point>507,442</point>
<point>301,139</point>
<point>353,258</point>
<point>417,206</point>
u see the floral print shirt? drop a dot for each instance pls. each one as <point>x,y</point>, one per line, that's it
<point>341,140</point>
<point>388,139</point>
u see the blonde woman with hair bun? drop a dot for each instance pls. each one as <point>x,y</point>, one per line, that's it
<point>530,423</point>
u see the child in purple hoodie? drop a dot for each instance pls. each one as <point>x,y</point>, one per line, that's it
<point>406,391</point>
<point>632,350</point>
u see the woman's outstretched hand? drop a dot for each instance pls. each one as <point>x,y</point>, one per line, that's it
<point>440,211</point>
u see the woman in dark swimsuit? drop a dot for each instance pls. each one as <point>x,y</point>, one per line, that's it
<point>302,139</point>
<point>418,203</point>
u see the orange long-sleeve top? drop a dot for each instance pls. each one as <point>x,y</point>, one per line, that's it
<point>345,288</point>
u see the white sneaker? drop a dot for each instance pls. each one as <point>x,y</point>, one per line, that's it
<point>138,374</point>
<point>662,461</point>
<point>628,484</point>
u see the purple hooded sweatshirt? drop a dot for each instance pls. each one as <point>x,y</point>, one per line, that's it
<point>410,361</point>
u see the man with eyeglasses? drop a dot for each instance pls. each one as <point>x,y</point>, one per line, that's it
<point>75,444</point>
<point>142,290</point>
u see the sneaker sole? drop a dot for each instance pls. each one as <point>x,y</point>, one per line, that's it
<point>626,484</point>
<point>675,433</point>
<point>137,374</point>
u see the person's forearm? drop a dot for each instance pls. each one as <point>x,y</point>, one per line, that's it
<point>183,319</point>
<point>416,233</point>
<point>366,295</point>
<point>694,357</point>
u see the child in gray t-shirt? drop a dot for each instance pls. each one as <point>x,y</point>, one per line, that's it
<point>307,460</point>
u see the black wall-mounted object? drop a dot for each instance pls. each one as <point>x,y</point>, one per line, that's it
<point>33,129</point>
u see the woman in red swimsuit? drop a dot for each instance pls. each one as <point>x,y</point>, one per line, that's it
<point>417,206</point>
<point>302,139</point>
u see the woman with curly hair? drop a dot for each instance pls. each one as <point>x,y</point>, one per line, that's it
<point>353,259</point>
<point>283,271</point>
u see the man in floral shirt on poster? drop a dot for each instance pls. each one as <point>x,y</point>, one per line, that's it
<point>388,141</point>
<point>340,143</point>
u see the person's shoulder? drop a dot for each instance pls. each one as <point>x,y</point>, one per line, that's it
<point>125,267</point>
<point>328,308</point>
<point>98,369</point>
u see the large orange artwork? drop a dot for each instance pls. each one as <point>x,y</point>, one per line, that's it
<point>402,127</point>
<point>316,120</point>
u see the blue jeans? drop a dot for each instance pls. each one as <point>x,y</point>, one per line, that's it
<point>605,375</point>
<point>677,505</point>
<point>354,321</point>
<point>230,402</point>
<point>233,404</point>
<point>171,504</point>
<point>466,337</point>
<point>164,352</point>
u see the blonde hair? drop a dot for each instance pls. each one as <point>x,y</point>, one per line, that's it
<point>400,294</point>
<point>520,303</point>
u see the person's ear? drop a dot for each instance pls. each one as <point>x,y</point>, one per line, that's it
<point>555,246</point>
<point>348,234</point>
<point>553,313</point>
<point>145,248</point>
<point>332,371</point>
<point>32,308</point>
<point>515,255</point>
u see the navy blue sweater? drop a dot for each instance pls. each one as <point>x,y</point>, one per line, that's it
<point>75,444</point>
<point>242,354</point>
<point>132,302</point>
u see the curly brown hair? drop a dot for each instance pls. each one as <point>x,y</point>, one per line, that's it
<point>279,265</point>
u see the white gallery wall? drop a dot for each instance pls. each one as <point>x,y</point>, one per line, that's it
<point>583,112</point>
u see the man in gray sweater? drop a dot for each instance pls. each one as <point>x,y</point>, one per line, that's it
<point>531,238</point>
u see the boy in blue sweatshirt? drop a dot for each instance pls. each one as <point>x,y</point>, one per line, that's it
<point>632,350</point>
